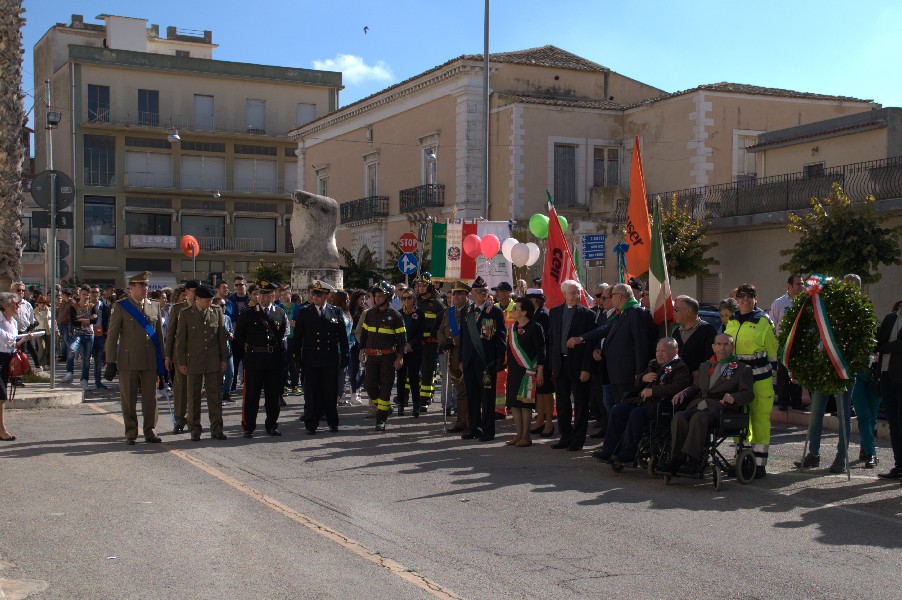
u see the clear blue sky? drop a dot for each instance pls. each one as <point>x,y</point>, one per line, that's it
<point>828,47</point>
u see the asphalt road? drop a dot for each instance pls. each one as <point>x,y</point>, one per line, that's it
<point>414,513</point>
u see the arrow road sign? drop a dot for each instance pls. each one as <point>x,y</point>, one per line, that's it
<point>407,264</point>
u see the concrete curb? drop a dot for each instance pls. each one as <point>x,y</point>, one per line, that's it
<point>800,418</point>
<point>39,395</point>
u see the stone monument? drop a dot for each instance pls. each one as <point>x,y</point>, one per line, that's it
<point>313,222</point>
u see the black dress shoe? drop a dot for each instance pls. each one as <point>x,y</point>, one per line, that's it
<point>871,461</point>
<point>333,428</point>
<point>195,437</point>
<point>311,431</point>
<point>760,472</point>
<point>601,456</point>
<point>560,445</point>
<point>811,461</point>
<point>547,434</point>
<point>470,435</point>
<point>153,439</point>
<point>893,473</point>
<point>219,436</point>
<point>247,435</point>
<point>598,435</point>
<point>454,429</point>
<point>486,438</point>
<point>274,432</point>
<point>574,447</point>
<point>178,429</point>
<point>282,402</point>
<point>536,430</point>
<point>130,441</point>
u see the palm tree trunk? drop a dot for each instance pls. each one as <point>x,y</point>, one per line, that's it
<point>12,148</point>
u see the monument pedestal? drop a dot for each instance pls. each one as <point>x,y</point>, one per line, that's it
<point>301,278</point>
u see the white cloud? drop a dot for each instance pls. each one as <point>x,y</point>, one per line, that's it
<point>354,70</point>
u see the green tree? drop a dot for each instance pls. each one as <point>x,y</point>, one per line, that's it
<point>684,241</point>
<point>272,271</point>
<point>358,273</point>
<point>839,237</point>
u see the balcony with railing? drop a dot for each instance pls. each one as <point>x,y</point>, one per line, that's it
<point>165,121</point>
<point>230,244</point>
<point>431,195</point>
<point>363,209</point>
<point>881,179</point>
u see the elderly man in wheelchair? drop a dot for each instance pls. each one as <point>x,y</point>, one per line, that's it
<point>720,383</point>
<point>628,422</point>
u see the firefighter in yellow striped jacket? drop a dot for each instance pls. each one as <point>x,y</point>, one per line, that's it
<point>432,314</point>
<point>382,341</point>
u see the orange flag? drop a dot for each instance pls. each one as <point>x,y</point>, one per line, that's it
<point>638,229</point>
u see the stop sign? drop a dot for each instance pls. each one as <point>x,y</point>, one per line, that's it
<point>408,243</point>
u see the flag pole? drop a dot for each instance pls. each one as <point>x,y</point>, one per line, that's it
<point>658,225</point>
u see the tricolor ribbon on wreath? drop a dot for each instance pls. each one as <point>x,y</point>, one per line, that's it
<point>813,287</point>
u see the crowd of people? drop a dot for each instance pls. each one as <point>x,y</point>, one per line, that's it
<point>501,353</point>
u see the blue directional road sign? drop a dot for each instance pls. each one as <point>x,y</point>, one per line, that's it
<point>594,239</point>
<point>593,255</point>
<point>594,246</point>
<point>407,264</point>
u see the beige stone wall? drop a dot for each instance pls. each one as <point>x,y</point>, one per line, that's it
<point>833,152</point>
<point>689,141</point>
<point>570,83</point>
<point>753,256</point>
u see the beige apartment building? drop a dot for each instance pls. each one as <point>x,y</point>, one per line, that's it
<point>161,141</point>
<point>561,123</point>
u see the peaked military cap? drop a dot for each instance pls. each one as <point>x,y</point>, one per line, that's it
<point>535,293</point>
<point>460,286</point>
<point>192,284</point>
<point>321,286</point>
<point>203,292</point>
<point>139,278</point>
<point>479,284</point>
<point>266,286</point>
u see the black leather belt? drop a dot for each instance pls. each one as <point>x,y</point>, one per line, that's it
<point>268,349</point>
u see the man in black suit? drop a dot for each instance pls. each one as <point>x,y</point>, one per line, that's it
<point>628,340</point>
<point>694,335</point>
<point>570,366</point>
<point>483,349</point>
<point>321,338</point>
<point>261,332</point>
<point>665,376</point>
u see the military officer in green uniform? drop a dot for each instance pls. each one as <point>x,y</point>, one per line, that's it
<point>201,352</point>
<point>179,386</point>
<point>135,330</point>
<point>449,341</point>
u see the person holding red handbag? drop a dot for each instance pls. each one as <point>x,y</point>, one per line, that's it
<point>9,331</point>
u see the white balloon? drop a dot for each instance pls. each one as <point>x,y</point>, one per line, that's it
<point>520,254</point>
<point>534,254</point>
<point>506,247</point>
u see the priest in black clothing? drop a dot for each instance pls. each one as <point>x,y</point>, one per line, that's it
<point>694,335</point>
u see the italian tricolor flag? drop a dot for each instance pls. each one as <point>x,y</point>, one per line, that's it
<point>449,261</point>
<point>660,299</point>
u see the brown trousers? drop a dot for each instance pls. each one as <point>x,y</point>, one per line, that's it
<point>130,382</point>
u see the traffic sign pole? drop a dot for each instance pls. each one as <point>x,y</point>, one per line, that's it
<point>51,252</point>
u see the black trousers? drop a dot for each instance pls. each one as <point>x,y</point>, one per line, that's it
<point>480,399</point>
<point>788,393</point>
<point>428,364</point>
<point>409,380</point>
<point>237,357</point>
<point>269,382</point>
<point>572,403</point>
<point>320,396</point>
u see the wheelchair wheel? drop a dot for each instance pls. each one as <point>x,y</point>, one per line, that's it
<point>718,477</point>
<point>745,466</point>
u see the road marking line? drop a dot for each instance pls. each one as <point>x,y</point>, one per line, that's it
<point>342,540</point>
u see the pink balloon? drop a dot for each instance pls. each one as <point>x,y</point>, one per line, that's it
<point>490,245</point>
<point>472,245</point>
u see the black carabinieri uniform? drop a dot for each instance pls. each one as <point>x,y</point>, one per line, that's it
<point>260,333</point>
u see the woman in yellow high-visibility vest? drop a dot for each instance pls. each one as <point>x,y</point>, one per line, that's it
<point>756,345</point>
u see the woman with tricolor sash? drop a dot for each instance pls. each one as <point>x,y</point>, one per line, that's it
<point>525,370</point>
<point>756,345</point>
